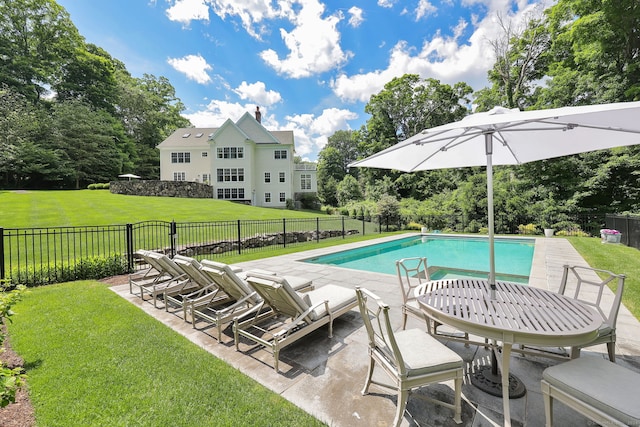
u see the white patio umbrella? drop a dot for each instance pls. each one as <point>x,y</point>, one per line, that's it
<point>510,137</point>
<point>130,176</point>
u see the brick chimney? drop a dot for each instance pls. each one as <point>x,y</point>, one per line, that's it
<point>258,115</point>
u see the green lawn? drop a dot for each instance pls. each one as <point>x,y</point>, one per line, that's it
<point>100,207</point>
<point>94,359</point>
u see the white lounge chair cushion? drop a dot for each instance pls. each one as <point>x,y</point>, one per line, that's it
<point>601,384</point>
<point>424,354</point>
<point>337,296</point>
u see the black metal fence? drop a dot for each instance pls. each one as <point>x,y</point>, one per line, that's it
<point>628,225</point>
<point>38,256</point>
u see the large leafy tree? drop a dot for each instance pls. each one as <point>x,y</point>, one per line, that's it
<point>596,52</point>
<point>36,38</point>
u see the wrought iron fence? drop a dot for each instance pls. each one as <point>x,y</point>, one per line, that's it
<point>38,256</point>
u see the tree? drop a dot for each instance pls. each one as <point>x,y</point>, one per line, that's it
<point>521,54</point>
<point>87,139</point>
<point>150,112</point>
<point>348,190</point>
<point>36,38</point>
<point>595,52</point>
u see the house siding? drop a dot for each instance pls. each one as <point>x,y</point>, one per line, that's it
<point>259,147</point>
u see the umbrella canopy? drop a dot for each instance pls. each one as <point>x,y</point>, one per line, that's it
<point>130,176</point>
<point>510,137</point>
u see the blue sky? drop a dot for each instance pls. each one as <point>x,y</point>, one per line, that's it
<point>310,65</point>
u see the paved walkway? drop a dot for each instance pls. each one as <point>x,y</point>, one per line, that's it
<point>325,376</point>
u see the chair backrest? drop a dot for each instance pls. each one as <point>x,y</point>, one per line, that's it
<point>382,341</point>
<point>588,286</point>
<point>166,264</point>
<point>192,269</point>
<point>412,272</point>
<point>224,276</point>
<point>280,296</point>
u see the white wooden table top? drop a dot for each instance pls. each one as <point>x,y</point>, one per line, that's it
<point>519,314</point>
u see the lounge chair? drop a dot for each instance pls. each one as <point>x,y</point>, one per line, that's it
<point>151,274</point>
<point>247,301</point>
<point>292,315</point>
<point>412,358</point>
<point>172,279</point>
<point>207,292</point>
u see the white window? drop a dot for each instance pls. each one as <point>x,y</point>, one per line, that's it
<point>305,181</point>
<point>180,157</point>
<point>267,197</point>
<point>283,198</point>
<point>231,193</point>
<point>267,177</point>
<point>230,152</point>
<point>206,178</point>
<point>179,176</point>
<point>230,174</point>
<point>280,154</point>
<point>281,176</point>
<point>205,154</point>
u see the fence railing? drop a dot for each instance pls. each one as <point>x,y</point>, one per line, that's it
<point>628,225</point>
<point>38,256</point>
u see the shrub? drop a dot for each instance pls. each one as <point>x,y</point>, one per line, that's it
<point>81,269</point>
<point>290,204</point>
<point>413,226</point>
<point>527,229</point>
<point>99,186</point>
<point>10,379</point>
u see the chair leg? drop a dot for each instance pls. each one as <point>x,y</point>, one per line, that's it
<point>404,320</point>
<point>403,396</point>
<point>457,417</point>
<point>367,383</point>
<point>611,349</point>
<point>548,404</point>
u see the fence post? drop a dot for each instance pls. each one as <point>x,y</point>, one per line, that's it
<point>239,239</point>
<point>173,234</point>
<point>130,246</point>
<point>317,229</point>
<point>284,233</point>
<point>343,235</point>
<point>2,253</point>
<point>363,223</point>
<point>626,231</point>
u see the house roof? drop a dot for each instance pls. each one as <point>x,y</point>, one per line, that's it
<point>247,125</point>
<point>189,138</point>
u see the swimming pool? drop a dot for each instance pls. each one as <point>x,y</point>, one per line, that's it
<point>447,256</point>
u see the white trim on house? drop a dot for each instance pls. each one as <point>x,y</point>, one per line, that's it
<point>235,158</point>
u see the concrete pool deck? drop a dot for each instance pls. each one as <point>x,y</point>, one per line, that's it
<point>325,376</point>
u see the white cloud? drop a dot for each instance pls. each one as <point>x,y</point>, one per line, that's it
<point>314,44</point>
<point>424,9</point>
<point>386,3</point>
<point>443,58</point>
<point>257,92</point>
<point>252,12</point>
<point>185,11</point>
<point>356,16</point>
<point>217,112</point>
<point>312,132</point>
<point>195,67</point>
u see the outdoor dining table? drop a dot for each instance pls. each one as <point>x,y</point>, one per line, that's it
<point>517,314</point>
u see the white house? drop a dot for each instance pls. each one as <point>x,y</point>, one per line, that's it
<point>242,161</point>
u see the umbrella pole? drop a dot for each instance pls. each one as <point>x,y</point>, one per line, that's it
<point>488,140</point>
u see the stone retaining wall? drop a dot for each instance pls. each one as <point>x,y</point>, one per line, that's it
<point>193,190</point>
<point>259,241</point>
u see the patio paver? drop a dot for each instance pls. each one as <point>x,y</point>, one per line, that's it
<point>325,376</point>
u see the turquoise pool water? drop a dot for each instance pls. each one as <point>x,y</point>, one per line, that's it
<point>447,256</point>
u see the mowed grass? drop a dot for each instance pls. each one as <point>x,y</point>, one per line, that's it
<point>94,359</point>
<point>19,209</point>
